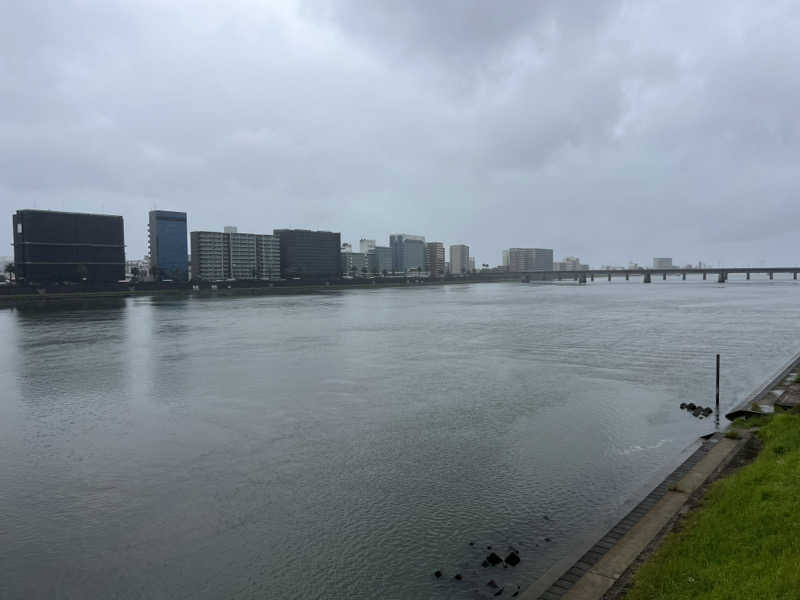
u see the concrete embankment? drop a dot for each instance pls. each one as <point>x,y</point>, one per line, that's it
<point>597,566</point>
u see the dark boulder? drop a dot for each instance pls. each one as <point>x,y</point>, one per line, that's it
<point>457,576</point>
<point>697,412</point>
<point>708,410</point>
<point>691,406</point>
<point>485,564</point>
<point>437,574</point>
<point>512,559</point>
<point>547,540</point>
<point>493,559</point>
<point>492,583</point>
<point>683,405</point>
<point>500,591</point>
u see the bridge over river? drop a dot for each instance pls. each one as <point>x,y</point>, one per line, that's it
<point>720,273</point>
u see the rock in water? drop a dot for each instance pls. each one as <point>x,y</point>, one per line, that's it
<point>547,540</point>
<point>500,591</point>
<point>493,559</point>
<point>485,564</point>
<point>512,559</point>
<point>697,411</point>
<point>492,583</point>
<point>691,406</point>
<point>437,574</point>
<point>683,405</point>
<point>457,576</point>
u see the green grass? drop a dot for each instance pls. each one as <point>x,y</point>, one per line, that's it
<point>744,541</point>
<point>753,421</point>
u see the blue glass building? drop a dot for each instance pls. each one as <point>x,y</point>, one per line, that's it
<point>169,253</point>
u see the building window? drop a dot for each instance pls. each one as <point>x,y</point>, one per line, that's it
<point>19,228</point>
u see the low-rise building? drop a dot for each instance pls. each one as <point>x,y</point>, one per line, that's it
<point>526,260</point>
<point>232,255</point>
<point>662,263</point>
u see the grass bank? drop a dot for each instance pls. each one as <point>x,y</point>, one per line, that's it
<point>743,541</point>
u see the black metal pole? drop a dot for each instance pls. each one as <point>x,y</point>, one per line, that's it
<point>717,383</point>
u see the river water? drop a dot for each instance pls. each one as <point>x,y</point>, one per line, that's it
<point>347,445</point>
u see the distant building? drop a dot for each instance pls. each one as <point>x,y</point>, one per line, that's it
<point>459,259</point>
<point>52,246</point>
<point>354,263</point>
<point>168,244</point>
<point>472,263</point>
<point>522,260</point>
<point>379,259</point>
<point>570,263</point>
<point>434,258</point>
<point>408,252</point>
<point>138,269</point>
<point>662,263</point>
<point>217,256</point>
<point>365,245</point>
<point>309,254</point>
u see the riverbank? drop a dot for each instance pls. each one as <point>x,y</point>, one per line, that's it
<point>743,539</point>
<point>11,297</point>
<point>705,553</point>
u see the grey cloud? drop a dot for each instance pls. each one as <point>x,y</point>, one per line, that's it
<point>612,130</point>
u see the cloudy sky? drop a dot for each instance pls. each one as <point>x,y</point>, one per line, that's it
<point>614,131</point>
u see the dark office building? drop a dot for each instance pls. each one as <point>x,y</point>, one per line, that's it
<point>309,254</point>
<point>51,246</point>
<point>169,254</point>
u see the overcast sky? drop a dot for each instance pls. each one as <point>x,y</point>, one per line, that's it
<point>613,131</point>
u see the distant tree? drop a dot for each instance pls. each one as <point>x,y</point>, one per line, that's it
<point>10,271</point>
<point>135,272</point>
<point>364,271</point>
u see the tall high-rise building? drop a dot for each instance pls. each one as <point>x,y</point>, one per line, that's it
<point>505,259</point>
<point>662,263</point>
<point>434,258</point>
<point>408,252</point>
<point>459,258</point>
<point>309,254</point>
<point>472,263</point>
<point>233,255</point>
<point>366,245</point>
<point>52,246</point>
<point>522,260</point>
<point>167,240</point>
<point>379,259</point>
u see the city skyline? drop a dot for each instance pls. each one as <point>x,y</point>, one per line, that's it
<point>681,137</point>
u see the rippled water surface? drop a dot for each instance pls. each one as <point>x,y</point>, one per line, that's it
<point>347,445</point>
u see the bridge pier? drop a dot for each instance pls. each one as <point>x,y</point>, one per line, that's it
<point>582,278</point>
<point>627,276</point>
<point>609,277</point>
<point>592,277</point>
<point>795,275</point>
<point>770,275</point>
<point>748,276</point>
<point>646,278</point>
<point>664,276</point>
<point>683,276</point>
<point>704,275</point>
<point>722,277</point>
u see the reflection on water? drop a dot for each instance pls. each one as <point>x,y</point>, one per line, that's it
<point>347,445</point>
